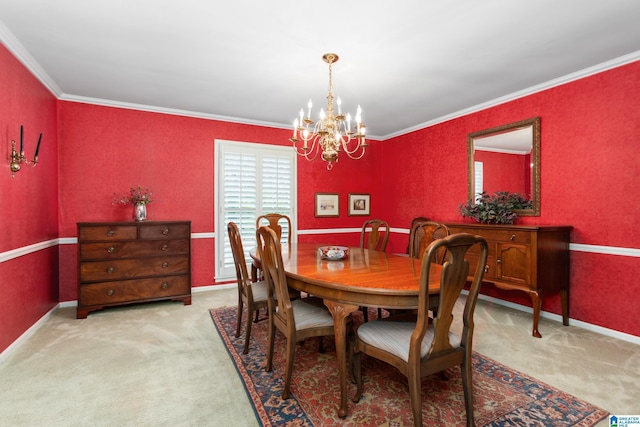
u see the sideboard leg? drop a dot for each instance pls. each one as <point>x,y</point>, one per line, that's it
<point>564,297</point>
<point>536,302</point>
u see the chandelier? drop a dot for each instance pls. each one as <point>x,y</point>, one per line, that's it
<point>331,134</point>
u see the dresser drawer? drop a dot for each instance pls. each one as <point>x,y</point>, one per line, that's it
<point>164,231</point>
<point>107,232</point>
<point>104,293</point>
<point>97,271</point>
<point>133,249</point>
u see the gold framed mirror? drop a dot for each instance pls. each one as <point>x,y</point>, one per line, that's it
<point>507,158</point>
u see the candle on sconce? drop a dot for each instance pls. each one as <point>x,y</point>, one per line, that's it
<point>21,140</point>
<point>35,156</point>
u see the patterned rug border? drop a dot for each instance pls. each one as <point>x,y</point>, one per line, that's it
<point>270,409</point>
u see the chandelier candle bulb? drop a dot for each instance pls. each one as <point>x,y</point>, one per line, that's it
<point>21,141</point>
<point>309,113</point>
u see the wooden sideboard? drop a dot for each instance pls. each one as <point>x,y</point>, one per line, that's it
<point>531,259</point>
<point>130,262</point>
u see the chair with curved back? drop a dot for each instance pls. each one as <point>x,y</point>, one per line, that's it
<point>424,347</point>
<point>296,319</point>
<point>422,234</point>
<point>275,221</point>
<point>413,222</point>
<point>253,294</point>
<point>377,238</point>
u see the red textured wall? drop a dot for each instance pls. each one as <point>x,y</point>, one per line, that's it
<point>107,150</point>
<point>28,214</point>
<point>590,178</point>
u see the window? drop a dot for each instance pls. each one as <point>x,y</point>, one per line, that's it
<point>478,168</point>
<point>251,179</point>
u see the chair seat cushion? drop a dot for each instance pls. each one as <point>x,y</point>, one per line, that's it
<point>394,337</point>
<point>259,291</point>
<point>308,315</point>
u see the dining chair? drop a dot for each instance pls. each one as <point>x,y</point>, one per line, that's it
<point>253,294</point>
<point>427,346</point>
<point>377,238</point>
<point>278,223</point>
<point>422,234</point>
<point>296,319</point>
<point>413,222</point>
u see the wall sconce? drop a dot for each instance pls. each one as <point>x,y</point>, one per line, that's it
<point>18,157</point>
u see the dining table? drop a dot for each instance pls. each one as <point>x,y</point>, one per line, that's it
<point>364,278</point>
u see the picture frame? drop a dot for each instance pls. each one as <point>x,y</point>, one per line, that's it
<point>327,205</point>
<point>359,204</point>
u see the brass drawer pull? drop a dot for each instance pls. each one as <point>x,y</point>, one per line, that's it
<point>110,292</point>
<point>164,247</point>
<point>165,231</point>
<point>513,237</point>
<point>110,233</point>
<point>111,249</point>
<point>486,268</point>
<point>165,285</point>
<point>165,264</point>
<point>111,270</point>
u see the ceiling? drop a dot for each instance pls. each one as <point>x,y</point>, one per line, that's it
<point>408,63</point>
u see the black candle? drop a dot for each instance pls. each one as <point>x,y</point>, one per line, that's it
<point>35,156</point>
<point>21,141</point>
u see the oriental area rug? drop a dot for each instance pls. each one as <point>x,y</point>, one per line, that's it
<point>502,396</point>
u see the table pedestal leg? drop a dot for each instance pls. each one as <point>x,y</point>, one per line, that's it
<point>340,312</point>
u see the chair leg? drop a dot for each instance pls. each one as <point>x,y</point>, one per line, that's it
<point>365,313</point>
<point>357,373</point>
<point>257,314</point>
<point>270,342</point>
<point>239,318</point>
<point>247,336</point>
<point>379,313</point>
<point>291,351</point>
<point>415,395</point>
<point>467,386</point>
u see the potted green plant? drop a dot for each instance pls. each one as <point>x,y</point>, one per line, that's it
<point>494,209</point>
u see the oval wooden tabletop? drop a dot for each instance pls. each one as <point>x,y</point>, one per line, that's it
<point>363,274</point>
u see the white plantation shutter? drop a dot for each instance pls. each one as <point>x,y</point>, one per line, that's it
<point>251,180</point>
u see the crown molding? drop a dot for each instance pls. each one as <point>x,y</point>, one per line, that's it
<point>19,51</point>
<point>586,72</point>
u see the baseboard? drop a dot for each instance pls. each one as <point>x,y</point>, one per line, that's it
<point>27,334</point>
<point>558,318</point>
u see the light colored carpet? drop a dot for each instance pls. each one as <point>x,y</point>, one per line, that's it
<point>163,364</point>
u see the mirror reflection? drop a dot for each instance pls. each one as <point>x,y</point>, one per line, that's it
<point>507,158</point>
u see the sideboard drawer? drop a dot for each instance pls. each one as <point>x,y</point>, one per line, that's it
<point>107,232</point>
<point>105,293</point>
<point>132,249</point>
<point>94,271</point>
<point>164,231</point>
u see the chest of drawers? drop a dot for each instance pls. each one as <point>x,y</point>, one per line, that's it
<point>532,259</point>
<point>130,262</point>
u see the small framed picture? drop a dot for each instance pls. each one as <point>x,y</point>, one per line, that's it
<point>327,205</point>
<point>359,204</point>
